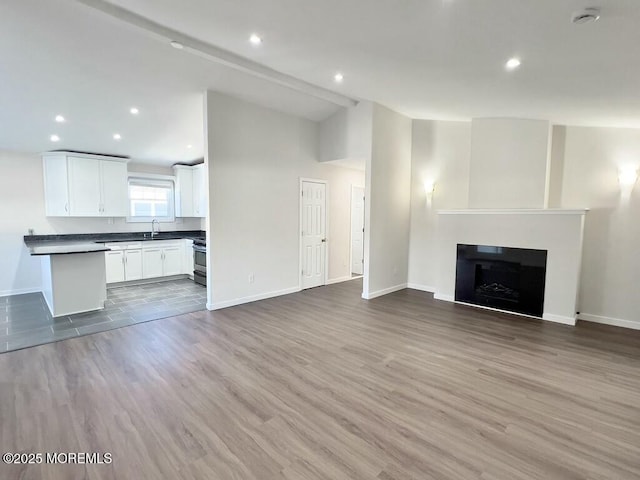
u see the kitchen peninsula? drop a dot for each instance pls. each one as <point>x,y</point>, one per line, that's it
<point>74,272</point>
<point>73,276</point>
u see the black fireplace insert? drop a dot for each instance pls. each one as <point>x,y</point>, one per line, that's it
<point>501,277</point>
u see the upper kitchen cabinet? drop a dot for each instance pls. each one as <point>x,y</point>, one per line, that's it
<point>191,199</point>
<point>199,189</point>
<point>84,185</point>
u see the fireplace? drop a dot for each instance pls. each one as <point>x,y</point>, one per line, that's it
<point>505,278</point>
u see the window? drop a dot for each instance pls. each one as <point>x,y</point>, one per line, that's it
<point>151,198</point>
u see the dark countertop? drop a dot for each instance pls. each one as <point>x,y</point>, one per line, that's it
<point>65,248</point>
<point>94,242</point>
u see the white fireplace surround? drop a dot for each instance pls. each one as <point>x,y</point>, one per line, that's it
<point>559,231</point>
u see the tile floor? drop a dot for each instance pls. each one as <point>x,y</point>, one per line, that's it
<point>25,320</point>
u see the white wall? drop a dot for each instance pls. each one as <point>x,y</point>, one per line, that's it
<point>556,165</point>
<point>22,208</point>
<point>388,203</point>
<point>610,279</point>
<point>255,159</point>
<point>440,153</point>
<point>509,160</point>
<point>346,134</point>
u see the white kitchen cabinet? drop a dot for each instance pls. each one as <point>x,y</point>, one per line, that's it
<point>114,189</point>
<point>114,261</point>
<point>184,190</point>
<point>152,262</point>
<point>162,258</point>
<point>187,257</point>
<point>172,261</point>
<point>133,264</point>
<point>84,185</point>
<point>56,186</point>
<point>123,261</point>
<point>127,261</point>
<point>191,187</point>
<point>199,190</point>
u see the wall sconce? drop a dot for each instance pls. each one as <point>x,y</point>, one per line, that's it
<point>627,176</point>
<point>429,187</point>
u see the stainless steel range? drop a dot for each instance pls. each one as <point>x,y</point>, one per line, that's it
<point>200,261</point>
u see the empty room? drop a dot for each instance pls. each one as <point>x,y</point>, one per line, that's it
<point>319,240</point>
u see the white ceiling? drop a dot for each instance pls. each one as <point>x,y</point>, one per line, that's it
<point>61,57</point>
<point>424,58</point>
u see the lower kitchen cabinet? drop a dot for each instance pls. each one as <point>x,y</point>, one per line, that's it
<point>133,264</point>
<point>115,266</point>
<point>123,262</point>
<point>162,259</point>
<point>151,262</point>
<point>150,259</point>
<point>172,260</point>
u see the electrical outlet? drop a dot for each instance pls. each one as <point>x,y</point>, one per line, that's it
<point>251,278</point>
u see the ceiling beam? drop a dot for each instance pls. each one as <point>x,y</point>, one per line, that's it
<point>216,54</point>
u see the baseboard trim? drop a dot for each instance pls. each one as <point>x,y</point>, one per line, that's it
<point>19,291</point>
<point>341,279</point>
<point>444,298</point>
<point>251,298</point>
<point>384,291</point>
<point>422,288</point>
<point>550,317</point>
<point>616,322</point>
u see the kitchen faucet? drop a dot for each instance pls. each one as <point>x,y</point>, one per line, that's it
<point>153,229</point>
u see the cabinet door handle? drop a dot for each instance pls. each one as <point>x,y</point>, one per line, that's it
<point>66,207</point>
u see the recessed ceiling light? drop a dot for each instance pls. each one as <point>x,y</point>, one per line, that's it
<point>117,136</point>
<point>177,45</point>
<point>189,146</point>
<point>512,64</point>
<point>338,77</point>
<point>255,39</point>
<point>54,138</point>
<point>59,118</point>
<point>134,111</point>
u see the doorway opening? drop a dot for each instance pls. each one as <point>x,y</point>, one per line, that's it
<point>357,231</point>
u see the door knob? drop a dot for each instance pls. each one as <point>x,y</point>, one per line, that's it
<point>324,240</point>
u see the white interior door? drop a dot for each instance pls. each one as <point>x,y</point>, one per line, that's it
<point>314,241</point>
<point>357,230</point>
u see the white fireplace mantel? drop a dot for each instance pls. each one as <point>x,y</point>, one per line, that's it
<point>558,231</point>
<point>515,211</point>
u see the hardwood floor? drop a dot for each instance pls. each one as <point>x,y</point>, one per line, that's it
<point>324,385</point>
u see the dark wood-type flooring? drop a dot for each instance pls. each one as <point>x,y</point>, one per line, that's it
<point>324,385</point>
